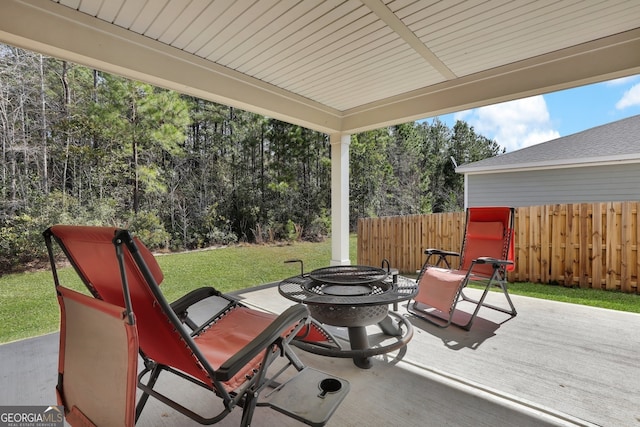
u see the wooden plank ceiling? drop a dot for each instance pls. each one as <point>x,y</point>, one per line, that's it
<point>340,65</point>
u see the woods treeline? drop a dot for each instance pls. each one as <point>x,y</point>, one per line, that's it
<point>85,147</point>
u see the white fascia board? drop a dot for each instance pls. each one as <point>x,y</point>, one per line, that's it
<point>562,164</point>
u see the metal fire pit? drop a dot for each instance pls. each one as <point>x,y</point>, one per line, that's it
<point>353,297</point>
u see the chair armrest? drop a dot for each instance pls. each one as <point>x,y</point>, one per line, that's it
<point>442,256</point>
<point>271,335</point>
<point>184,302</point>
<point>181,306</point>
<point>495,261</point>
<point>440,252</point>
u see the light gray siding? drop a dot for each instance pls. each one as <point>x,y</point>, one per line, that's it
<point>608,183</point>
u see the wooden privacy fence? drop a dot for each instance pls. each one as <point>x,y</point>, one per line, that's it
<point>591,245</point>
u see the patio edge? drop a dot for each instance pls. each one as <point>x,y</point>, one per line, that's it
<point>541,412</point>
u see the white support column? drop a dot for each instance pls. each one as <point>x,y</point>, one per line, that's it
<point>466,191</point>
<point>340,199</point>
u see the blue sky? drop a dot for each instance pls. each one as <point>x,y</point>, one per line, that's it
<point>524,122</point>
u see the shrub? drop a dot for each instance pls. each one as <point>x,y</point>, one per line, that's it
<point>21,243</point>
<point>148,227</point>
<point>319,228</point>
<point>220,237</point>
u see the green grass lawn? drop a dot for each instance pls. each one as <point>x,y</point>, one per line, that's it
<point>592,297</point>
<point>28,304</point>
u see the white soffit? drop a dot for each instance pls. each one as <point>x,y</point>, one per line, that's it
<point>339,66</point>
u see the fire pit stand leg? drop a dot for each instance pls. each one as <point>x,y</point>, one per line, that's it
<point>389,327</point>
<point>359,341</point>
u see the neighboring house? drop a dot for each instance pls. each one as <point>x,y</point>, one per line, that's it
<point>601,164</point>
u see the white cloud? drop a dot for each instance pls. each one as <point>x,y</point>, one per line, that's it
<point>514,124</point>
<point>630,98</point>
<point>462,115</point>
<point>622,81</point>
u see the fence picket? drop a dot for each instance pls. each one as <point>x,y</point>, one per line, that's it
<point>597,259</point>
<point>557,243</point>
<point>545,245</point>
<point>584,248</point>
<point>625,246</point>
<point>613,244</point>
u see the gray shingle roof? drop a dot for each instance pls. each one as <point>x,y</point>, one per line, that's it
<point>612,142</point>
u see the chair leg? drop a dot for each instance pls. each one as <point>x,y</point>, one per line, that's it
<point>479,303</point>
<point>513,311</point>
<point>153,377</point>
<point>250,401</point>
<point>503,287</point>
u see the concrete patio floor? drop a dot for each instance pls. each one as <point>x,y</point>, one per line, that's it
<point>554,364</point>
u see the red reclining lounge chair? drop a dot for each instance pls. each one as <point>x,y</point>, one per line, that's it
<point>229,354</point>
<point>486,255</point>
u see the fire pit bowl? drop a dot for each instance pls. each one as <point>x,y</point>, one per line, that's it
<point>348,316</point>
